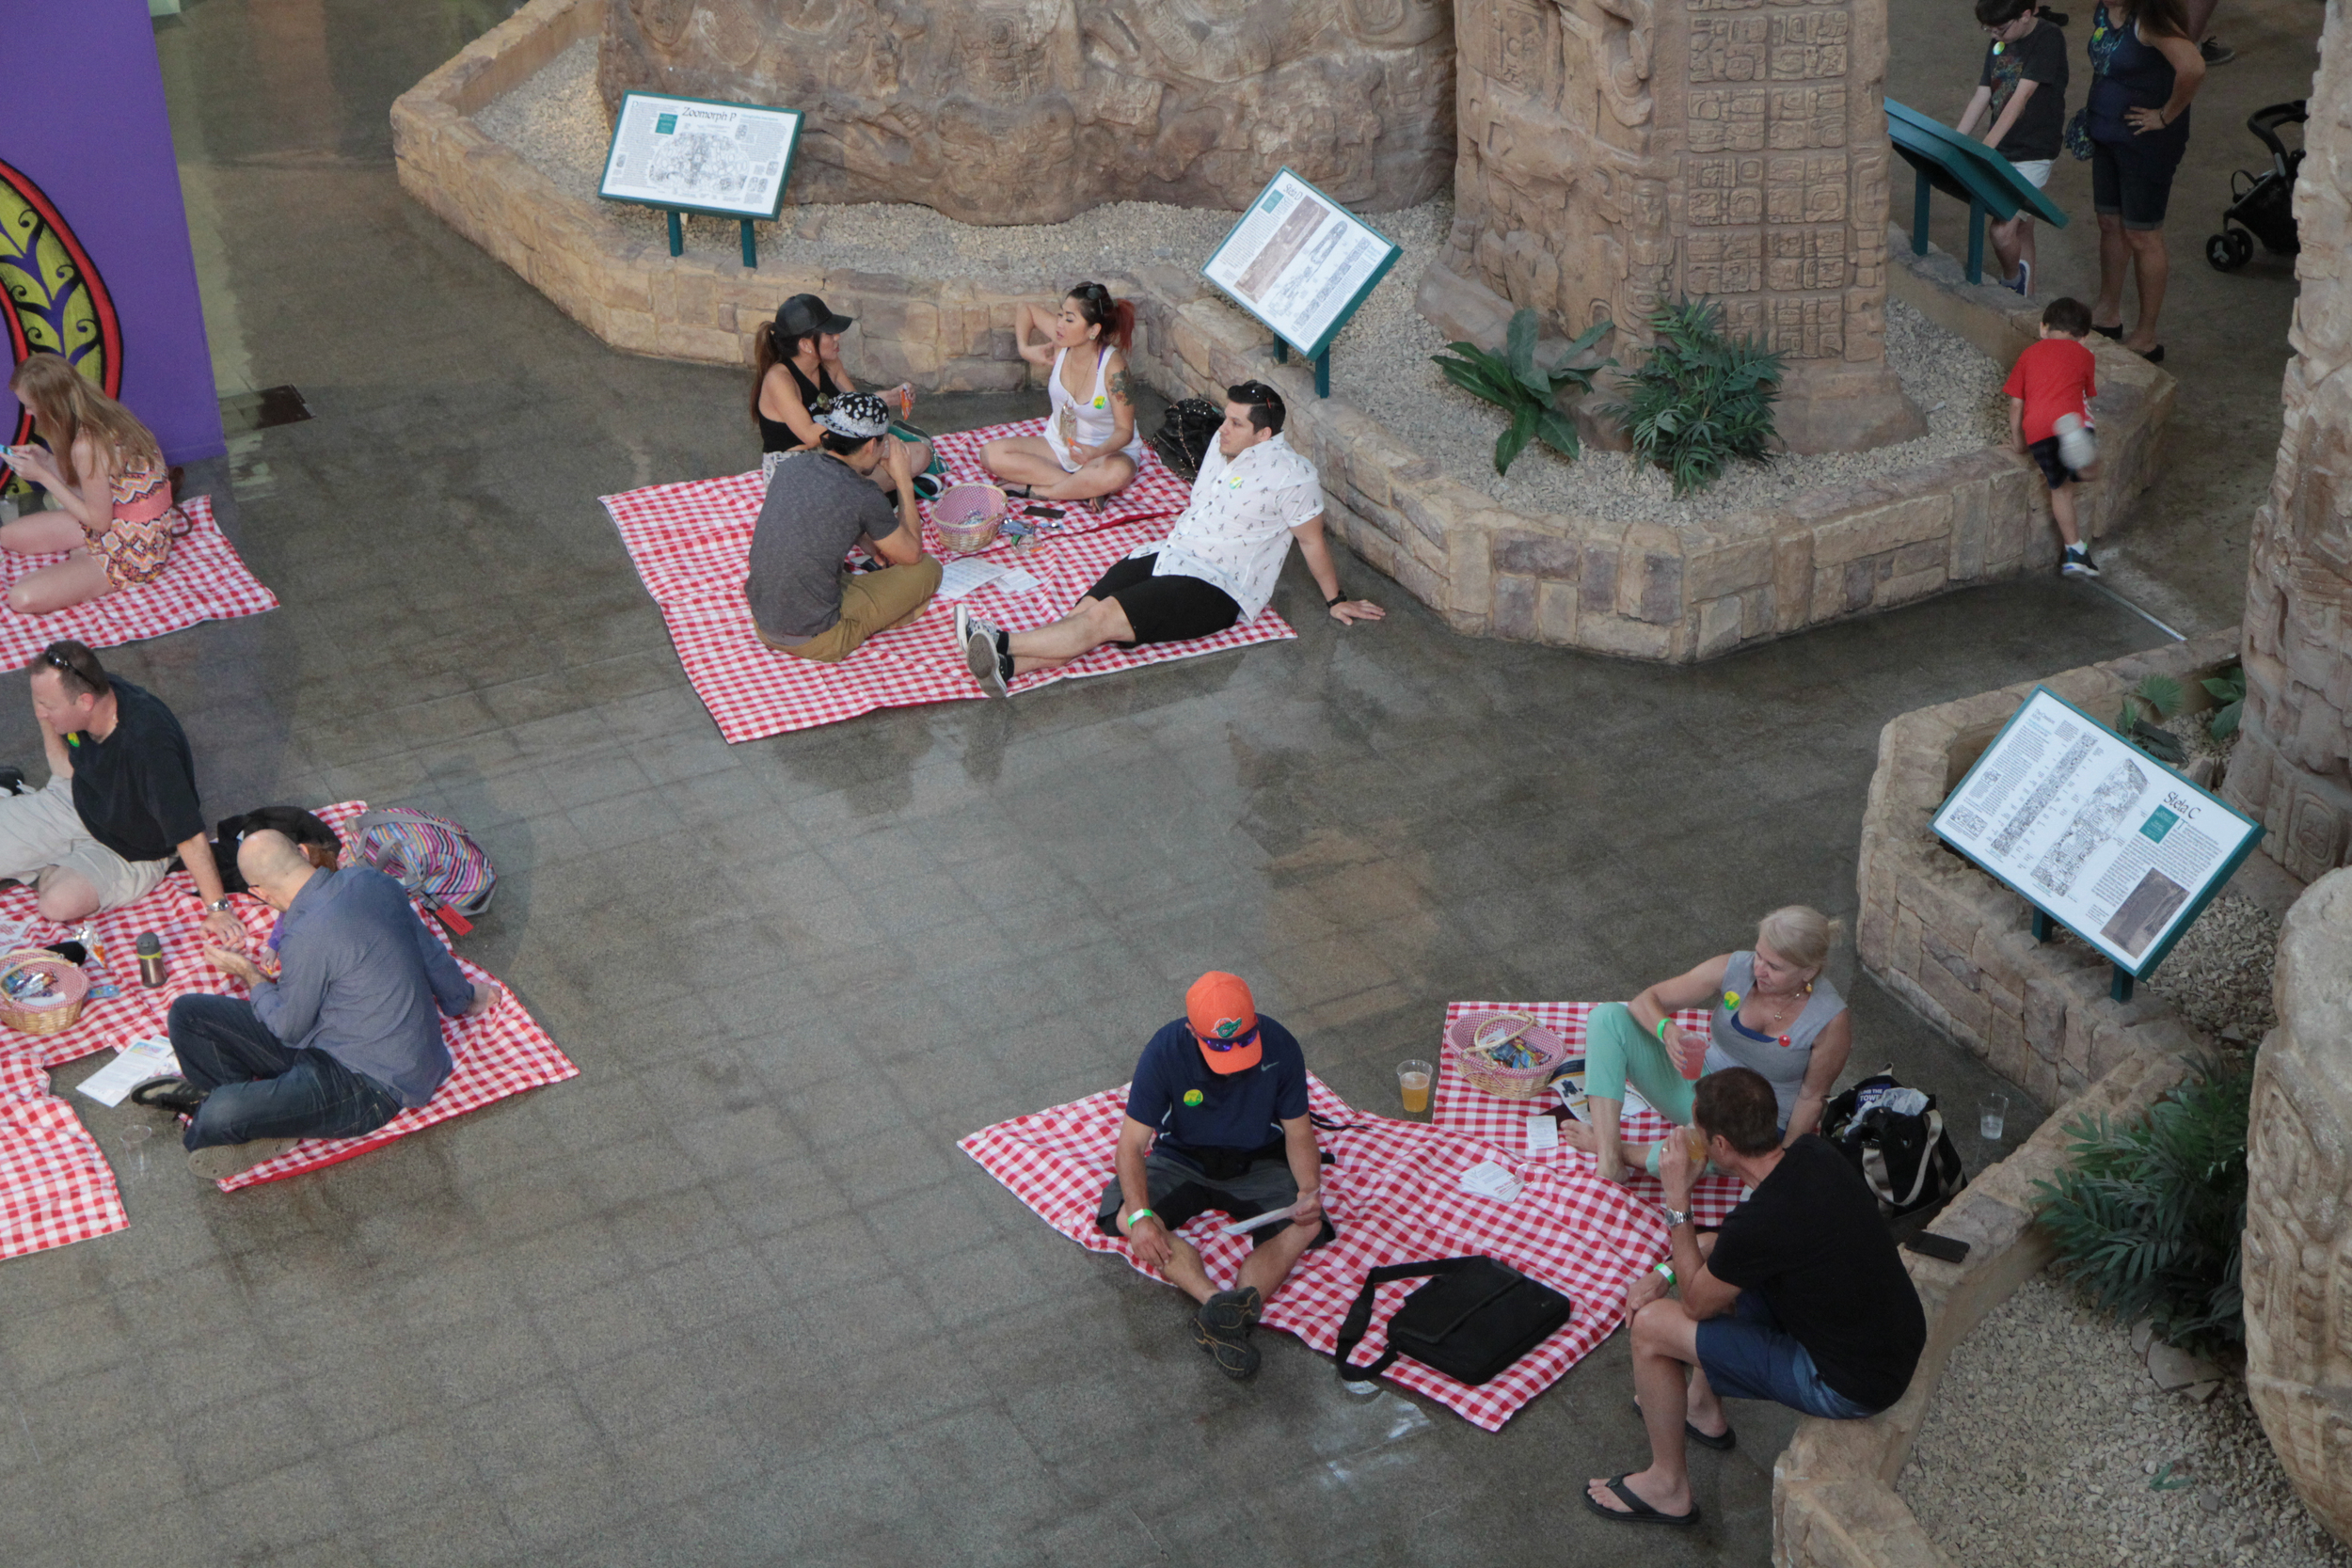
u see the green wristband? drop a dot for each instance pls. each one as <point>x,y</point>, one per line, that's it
<point>1662,1031</point>
<point>1128,1225</point>
<point>1666,1271</point>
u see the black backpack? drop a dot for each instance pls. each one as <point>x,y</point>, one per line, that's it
<point>1905,1156</point>
<point>1184,433</point>
<point>1470,1322</point>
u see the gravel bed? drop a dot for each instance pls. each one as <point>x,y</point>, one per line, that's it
<point>1380,363</point>
<point>2218,973</point>
<point>2047,1442</point>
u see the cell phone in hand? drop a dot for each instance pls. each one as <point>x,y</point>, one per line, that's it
<point>1944,1249</point>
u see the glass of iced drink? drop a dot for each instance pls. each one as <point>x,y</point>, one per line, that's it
<point>1412,1081</point>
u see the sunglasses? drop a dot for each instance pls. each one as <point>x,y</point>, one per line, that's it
<point>1220,1047</point>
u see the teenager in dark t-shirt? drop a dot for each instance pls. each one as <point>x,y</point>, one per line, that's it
<point>1217,1119</point>
<point>2021,99</point>
<point>1803,1300</point>
<point>121,800</point>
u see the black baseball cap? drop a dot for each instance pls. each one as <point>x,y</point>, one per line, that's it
<point>805,313</point>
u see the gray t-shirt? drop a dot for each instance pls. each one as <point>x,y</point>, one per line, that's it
<point>818,508</point>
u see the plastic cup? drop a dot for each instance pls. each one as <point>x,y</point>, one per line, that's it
<point>135,1140</point>
<point>1690,1055</point>
<point>1412,1082</point>
<point>1991,1116</point>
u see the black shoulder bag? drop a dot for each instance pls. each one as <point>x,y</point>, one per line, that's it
<point>1470,1322</point>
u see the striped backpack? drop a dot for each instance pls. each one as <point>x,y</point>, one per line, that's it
<point>433,858</point>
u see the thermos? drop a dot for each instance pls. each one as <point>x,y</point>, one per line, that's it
<point>150,950</point>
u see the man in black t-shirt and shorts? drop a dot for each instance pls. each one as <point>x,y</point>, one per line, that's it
<point>1802,1299</point>
<point>2021,93</point>
<point>1223,1092</point>
<point>121,801</point>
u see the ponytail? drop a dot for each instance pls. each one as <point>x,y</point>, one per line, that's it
<point>1116,316</point>
<point>764,359</point>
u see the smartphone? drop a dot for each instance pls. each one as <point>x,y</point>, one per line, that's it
<point>1943,1248</point>
<point>1055,513</point>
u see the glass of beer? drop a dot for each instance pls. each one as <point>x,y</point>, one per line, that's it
<point>1412,1081</point>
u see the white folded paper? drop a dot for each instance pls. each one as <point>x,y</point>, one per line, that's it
<point>134,1064</point>
<point>1488,1179</point>
<point>1542,1132</point>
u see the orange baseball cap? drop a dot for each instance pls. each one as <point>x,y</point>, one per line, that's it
<point>1223,1019</point>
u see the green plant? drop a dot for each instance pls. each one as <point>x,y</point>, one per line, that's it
<point>1513,381</point>
<point>2155,697</point>
<point>1700,399</point>
<point>2228,691</point>
<point>2147,1216</point>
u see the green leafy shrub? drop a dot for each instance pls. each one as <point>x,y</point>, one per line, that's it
<point>1700,399</point>
<point>1513,381</point>
<point>2155,697</point>
<point>2147,1216</point>
<point>2228,691</point>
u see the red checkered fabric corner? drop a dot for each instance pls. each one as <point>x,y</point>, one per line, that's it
<point>206,580</point>
<point>1393,1198</point>
<point>56,1187</point>
<point>1464,1107</point>
<point>689,543</point>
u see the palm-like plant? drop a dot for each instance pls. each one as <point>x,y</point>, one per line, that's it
<point>2155,697</point>
<point>1513,381</point>
<point>1700,399</point>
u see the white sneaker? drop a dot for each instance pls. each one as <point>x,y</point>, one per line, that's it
<point>980,652</point>
<point>219,1162</point>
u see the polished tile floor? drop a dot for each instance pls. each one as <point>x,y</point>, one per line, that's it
<point>732,1296</point>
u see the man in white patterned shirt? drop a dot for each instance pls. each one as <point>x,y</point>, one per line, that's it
<point>1215,569</point>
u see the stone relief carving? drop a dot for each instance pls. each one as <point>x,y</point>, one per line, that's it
<point>1032,111</point>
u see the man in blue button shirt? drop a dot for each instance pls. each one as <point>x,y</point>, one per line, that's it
<point>345,1039</point>
<point>1217,1119</point>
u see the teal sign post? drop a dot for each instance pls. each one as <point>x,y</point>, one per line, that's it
<point>1964,167</point>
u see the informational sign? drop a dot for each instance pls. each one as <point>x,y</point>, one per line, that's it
<point>1300,262</point>
<point>2094,832</point>
<point>695,155</point>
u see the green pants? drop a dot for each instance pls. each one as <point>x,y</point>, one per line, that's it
<point>1616,1050</point>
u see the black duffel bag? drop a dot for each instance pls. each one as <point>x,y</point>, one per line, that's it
<point>1184,433</point>
<point>1470,1322</point>
<point>1895,1137</point>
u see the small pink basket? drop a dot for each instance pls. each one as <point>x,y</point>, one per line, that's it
<point>966,517</point>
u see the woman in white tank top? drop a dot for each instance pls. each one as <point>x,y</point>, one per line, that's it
<point>1091,448</point>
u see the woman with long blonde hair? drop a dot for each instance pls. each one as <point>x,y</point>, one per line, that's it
<point>113,513</point>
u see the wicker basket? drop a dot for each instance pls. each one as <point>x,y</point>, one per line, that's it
<point>1479,1066</point>
<point>966,517</point>
<point>53,1017</point>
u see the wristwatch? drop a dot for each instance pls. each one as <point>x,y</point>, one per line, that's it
<point>218,906</point>
<point>1674,1216</point>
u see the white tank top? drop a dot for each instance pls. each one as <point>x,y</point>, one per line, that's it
<point>1076,425</point>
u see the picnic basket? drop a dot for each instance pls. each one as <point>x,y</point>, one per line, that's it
<point>1505,1053</point>
<point>54,1014</point>
<point>967,515</point>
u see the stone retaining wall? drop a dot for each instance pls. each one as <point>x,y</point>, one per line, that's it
<point>1690,589</point>
<point>1954,942</point>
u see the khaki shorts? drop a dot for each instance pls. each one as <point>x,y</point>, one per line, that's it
<point>870,602</point>
<point>43,830</point>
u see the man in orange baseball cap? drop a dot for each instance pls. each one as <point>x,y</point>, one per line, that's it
<point>1216,1119</point>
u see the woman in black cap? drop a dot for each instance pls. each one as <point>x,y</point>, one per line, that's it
<point>796,373</point>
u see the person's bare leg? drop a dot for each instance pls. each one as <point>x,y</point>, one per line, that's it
<point>2062,513</point>
<point>77,580</point>
<point>1103,476</point>
<point>1270,1263</point>
<point>1022,460</point>
<point>2115,257</point>
<point>1665,1351</point>
<point>2025,240</point>
<point>66,896</point>
<point>2004,238</point>
<point>2153,267</point>
<point>1186,1271</point>
<point>41,533</point>
<point>1093,623</point>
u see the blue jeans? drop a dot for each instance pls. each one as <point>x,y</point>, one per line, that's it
<point>1746,1354</point>
<point>260,1088</point>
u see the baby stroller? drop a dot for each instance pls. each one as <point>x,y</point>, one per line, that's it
<point>2266,205</point>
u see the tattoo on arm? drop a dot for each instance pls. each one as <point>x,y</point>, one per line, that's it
<point>1122,385</point>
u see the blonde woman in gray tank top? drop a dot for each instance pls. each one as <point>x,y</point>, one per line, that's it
<point>1772,1010</point>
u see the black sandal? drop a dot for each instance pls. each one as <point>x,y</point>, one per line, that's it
<point>1636,1511</point>
<point>2116,331</point>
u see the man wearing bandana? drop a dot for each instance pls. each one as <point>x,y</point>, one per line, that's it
<point>1216,1119</point>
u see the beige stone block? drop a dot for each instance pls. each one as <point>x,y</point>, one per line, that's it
<point>1614,634</point>
<point>1555,612</point>
<point>1882,528</point>
<point>1719,626</point>
<point>1732,569</point>
<point>1903,958</point>
<point>1917,585</point>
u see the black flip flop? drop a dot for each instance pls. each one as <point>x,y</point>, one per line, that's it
<point>1636,1511</point>
<point>2153,355</point>
<point>1725,1444</point>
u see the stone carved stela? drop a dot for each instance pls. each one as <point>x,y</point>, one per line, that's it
<point>1740,106</point>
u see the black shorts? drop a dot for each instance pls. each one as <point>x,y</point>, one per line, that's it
<point>1180,1191</point>
<point>1169,609</point>
<point>2044,453</point>
<point>2133,182</point>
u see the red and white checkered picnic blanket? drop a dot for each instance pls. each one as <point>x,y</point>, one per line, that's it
<point>1393,1198</point>
<point>502,1052</point>
<point>55,1184</point>
<point>206,580</point>
<point>1464,1107</point>
<point>691,542</point>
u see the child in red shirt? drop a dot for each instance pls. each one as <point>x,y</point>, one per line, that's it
<point>2053,380</point>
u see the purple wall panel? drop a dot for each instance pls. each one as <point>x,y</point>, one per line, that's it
<point>85,120</point>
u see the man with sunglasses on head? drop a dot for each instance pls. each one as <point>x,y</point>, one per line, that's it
<point>121,801</point>
<point>1216,568</point>
<point>1217,1119</point>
